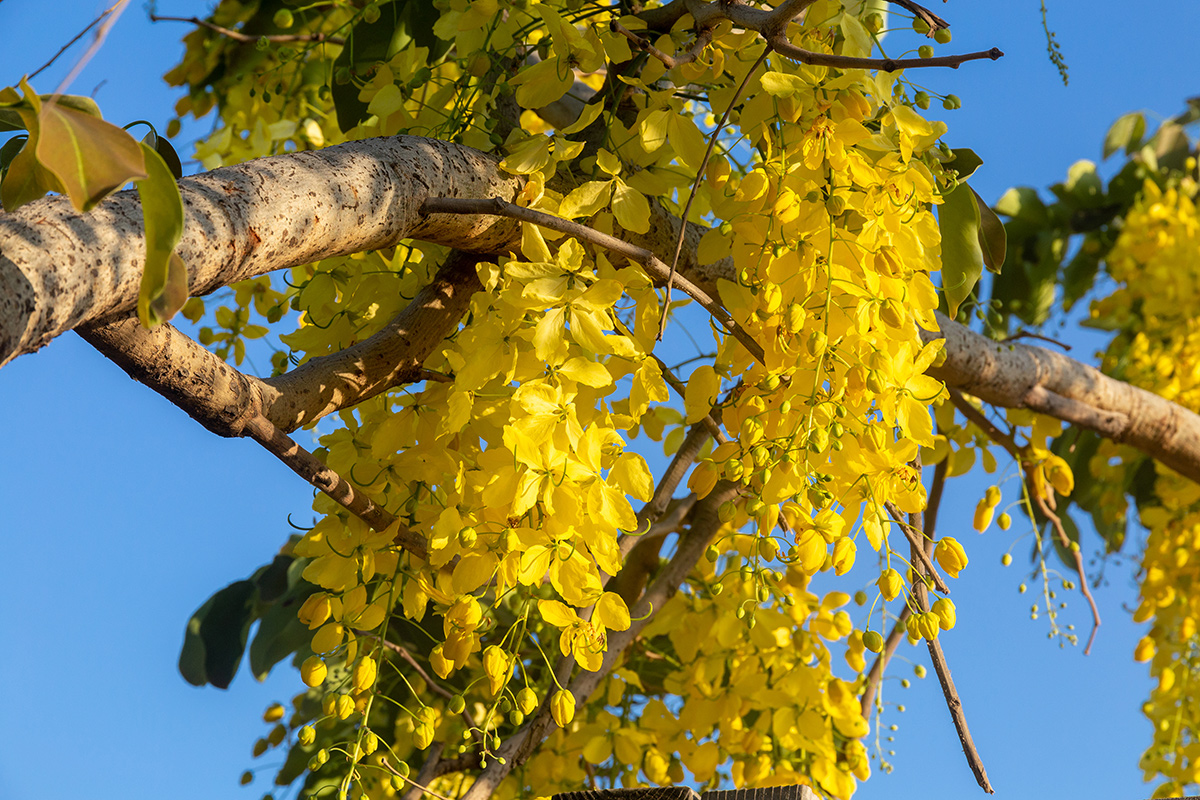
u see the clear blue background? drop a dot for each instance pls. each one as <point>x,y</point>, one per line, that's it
<point>121,515</point>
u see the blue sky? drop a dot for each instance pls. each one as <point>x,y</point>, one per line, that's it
<point>122,515</point>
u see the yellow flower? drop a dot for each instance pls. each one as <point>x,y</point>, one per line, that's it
<point>313,671</point>
<point>890,584</point>
<point>587,641</point>
<point>946,613</point>
<point>950,555</point>
<point>562,707</point>
<point>1144,650</point>
<point>843,556</point>
<point>365,672</point>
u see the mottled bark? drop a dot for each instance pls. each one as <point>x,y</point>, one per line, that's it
<point>1016,375</point>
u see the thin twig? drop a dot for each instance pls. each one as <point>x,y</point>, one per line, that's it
<point>1020,453</point>
<point>953,701</point>
<point>935,22</point>
<point>113,14</point>
<point>433,685</point>
<point>306,465</point>
<point>973,414</point>
<point>811,58</point>
<point>74,39</point>
<point>246,38</point>
<point>917,546</point>
<point>784,13</point>
<point>1032,335</point>
<point>384,763</point>
<point>687,209</point>
<point>703,39</point>
<point>428,771</point>
<point>496,206</point>
<point>680,388</point>
<point>875,674</point>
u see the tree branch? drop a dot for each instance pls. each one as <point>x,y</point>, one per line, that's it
<point>1014,375</point>
<point>171,382</point>
<point>703,39</point>
<point>60,269</point>
<point>918,548</point>
<point>953,701</point>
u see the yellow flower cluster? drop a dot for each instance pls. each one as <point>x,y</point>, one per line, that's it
<point>1157,261</point>
<point>520,467</point>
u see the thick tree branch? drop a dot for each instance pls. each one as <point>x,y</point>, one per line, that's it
<point>60,269</point>
<point>148,367</point>
<point>1014,375</point>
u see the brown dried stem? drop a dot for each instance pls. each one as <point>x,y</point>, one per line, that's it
<point>687,208</point>
<point>74,39</point>
<point>433,685</point>
<point>1008,442</point>
<point>953,701</point>
<point>703,39</point>
<point>649,261</point>
<point>246,38</point>
<point>429,770</point>
<point>918,547</point>
<point>306,465</point>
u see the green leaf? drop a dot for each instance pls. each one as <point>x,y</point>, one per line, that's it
<point>165,151</point>
<point>280,632</point>
<point>962,256</point>
<point>10,115</point>
<point>92,158</point>
<point>164,287</point>
<point>9,151</point>
<point>191,657</point>
<point>272,580</point>
<point>1171,146</point>
<point>965,162</point>
<point>993,242</point>
<point>26,179</point>
<point>1083,187</point>
<point>400,24</point>
<point>1079,275</point>
<point>1126,133</point>
<point>1023,203</point>
<point>216,636</point>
